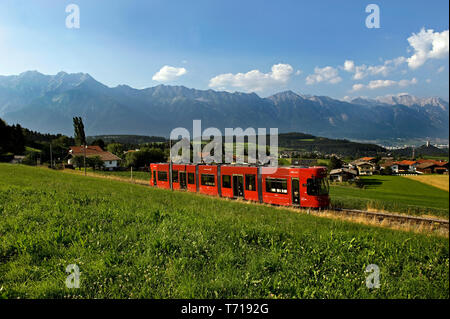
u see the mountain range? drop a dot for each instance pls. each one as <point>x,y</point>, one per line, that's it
<point>47,103</point>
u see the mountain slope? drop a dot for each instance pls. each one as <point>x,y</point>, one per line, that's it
<point>47,103</point>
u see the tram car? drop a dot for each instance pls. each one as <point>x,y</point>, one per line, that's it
<point>287,186</point>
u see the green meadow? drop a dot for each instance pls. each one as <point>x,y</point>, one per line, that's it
<point>133,241</point>
<point>393,193</point>
<point>137,175</point>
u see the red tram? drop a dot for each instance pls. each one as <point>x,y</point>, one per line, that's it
<point>287,186</point>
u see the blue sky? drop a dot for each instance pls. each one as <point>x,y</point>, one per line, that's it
<point>261,46</point>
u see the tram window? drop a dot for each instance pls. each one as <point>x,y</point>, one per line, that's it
<point>175,176</point>
<point>226,181</point>
<point>162,176</point>
<point>317,186</point>
<point>276,185</point>
<point>208,180</point>
<point>250,182</point>
<point>191,178</point>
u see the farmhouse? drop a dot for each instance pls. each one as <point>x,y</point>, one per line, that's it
<point>432,167</point>
<point>110,160</point>
<point>404,166</point>
<point>363,167</point>
<point>367,159</point>
<point>343,175</point>
<point>17,159</point>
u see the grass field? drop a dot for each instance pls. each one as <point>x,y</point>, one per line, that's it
<point>132,241</point>
<point>395,194</point>
<point>137,175</point>
<point>439,181</point>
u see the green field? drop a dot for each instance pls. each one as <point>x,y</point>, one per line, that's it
<point>137,175</point>
<point>393,193</point>
<point>133,241</point>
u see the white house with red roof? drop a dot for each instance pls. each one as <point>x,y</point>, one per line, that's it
<point>110,160</point>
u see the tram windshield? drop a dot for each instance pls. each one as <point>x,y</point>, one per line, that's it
<point>317,186</point>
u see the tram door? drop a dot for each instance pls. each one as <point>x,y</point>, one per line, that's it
<point>238,186</point>
<point>295,191</point>
<point>183,184</point>
<point>154,178</point>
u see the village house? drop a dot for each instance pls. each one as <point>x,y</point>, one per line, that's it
<point>387,162</point>
<point>432,167</point>
<point>343,175</point>
<point>367,159</point>
<point>363,167</point>
<point>404,167</point>
<point>17,159</point>
<point>111,161</point>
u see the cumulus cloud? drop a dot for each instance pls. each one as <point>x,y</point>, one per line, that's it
<point>362,71</point>
<point>168,73</point>
<point>327,74</point>
<point>377,84</point>
<point>357,87</point>
<point>426,45</point>
<point>349,66</point>
<point>254,80</point>
<point>404,83</point>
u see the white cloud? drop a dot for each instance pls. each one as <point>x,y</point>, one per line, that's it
<point>377,84</point>
<point>428,45</point>
<point>254,80</point>
<point>347,98</point>
<point>326,74</point>
<point>168,73</point>
<point>441,69</point>
<point>357,87</point>
<point>349,66</point>
<point>404,83</point>
<point>362,71</point>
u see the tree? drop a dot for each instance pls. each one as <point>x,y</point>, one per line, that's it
<point>60,147</point>
<point>334,163</point>
<point>12,139</point>
<point>116,149</point>
<point>99,142</point>
<point>80,136</point>
<point>144,157</point>
<point>386,171</point>
<point>78,161</point>
<point>95,162</point>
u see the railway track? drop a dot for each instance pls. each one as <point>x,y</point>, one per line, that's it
<point>402,219</point>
